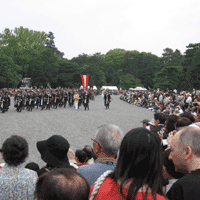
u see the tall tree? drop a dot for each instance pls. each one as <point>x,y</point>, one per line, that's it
<point>190,53</point>
<point>20,44</point>
<point>9,72</point>
<point>194,70</point>
<point>171,58</point>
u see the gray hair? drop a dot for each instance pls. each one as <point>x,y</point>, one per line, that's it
<point>190,136</point>
<point>109,137</point>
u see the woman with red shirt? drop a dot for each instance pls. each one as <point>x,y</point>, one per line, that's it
<point>138,174</point>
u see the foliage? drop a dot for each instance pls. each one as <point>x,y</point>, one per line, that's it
<point>129,81</point>
<point>33,54</point>
<point>194,70</point>
<point>171,77</point>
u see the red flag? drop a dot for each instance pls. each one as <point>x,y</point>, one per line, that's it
<point>85,81</point>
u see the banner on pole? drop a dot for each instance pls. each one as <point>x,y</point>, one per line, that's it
<point>85,81</point>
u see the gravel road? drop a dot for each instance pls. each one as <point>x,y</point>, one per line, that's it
<point>78,127</point>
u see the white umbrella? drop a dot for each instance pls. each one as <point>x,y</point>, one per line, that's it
<point>131,89</point>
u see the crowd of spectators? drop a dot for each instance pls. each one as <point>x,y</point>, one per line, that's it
<point>160,160</point>
<point>168,102</point>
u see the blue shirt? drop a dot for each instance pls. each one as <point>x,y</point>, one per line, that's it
<point>93,171</point>
<point>17,182</point>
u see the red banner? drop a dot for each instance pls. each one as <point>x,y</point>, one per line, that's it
<point>85,81</point>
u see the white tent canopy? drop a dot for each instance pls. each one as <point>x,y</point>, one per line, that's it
<point>139,89</point>
<point>131,89</point>
<point>109,88</point>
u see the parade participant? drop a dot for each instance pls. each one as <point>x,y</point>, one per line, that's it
<point>45,99</point>
<point>27,101</point>
<point>107,99</point>
<point>32,101</point>
<point>7,99</point>
<point>3,103</point>
<point>65,98</point>
<point>37,99</point>
<point>81,99</point>
<point>60,94</point>
<point>55,100</point>
<point>41,96</point>
<point>86,100</point>
<point>70,98</point>
<point>76,99</point>
<point>49,100</point>
<point>20,103</point>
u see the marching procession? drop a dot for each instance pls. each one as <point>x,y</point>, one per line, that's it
<point>45,99</point>
<point>28,99</point>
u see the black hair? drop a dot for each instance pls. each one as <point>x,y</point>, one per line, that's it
<point>171,123</point>
<point>140,149</point>
<point>189,116</point>
<point>183,121</point>
<point>15,150</point>
<point>170,167</point>
<point>89,151</point>
<point>62,183</point>
<point>81,155</point>
<point>161,117</point>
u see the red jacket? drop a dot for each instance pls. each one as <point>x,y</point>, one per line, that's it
<point>110,191</point>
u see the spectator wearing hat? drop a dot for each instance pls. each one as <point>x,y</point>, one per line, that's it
<point>53,152</point>
<point>145,124</point>
<point>106,144</point>
<point>62,183</point>
<point>152,124</point>
<point>16,182</point>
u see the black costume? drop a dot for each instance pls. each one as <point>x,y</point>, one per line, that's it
<point>107,99</point>
<point>86,98</point>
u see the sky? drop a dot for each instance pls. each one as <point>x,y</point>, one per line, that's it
<point>90,26</point>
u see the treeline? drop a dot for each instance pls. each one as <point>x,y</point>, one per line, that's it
<point>27,53</point>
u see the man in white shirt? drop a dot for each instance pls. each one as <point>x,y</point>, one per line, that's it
<point>189,98</point>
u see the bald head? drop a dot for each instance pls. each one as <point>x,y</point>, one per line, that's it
<point>189,136</point>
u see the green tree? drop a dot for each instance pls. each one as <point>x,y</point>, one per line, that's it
<point>129,81</point>
<point>190,54</point>
<point>9,72</point>
<point>21,44</point>
<point>171,58</point>
<point>172,77</point>
<point>69,74</point>
<point>194,70</point>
